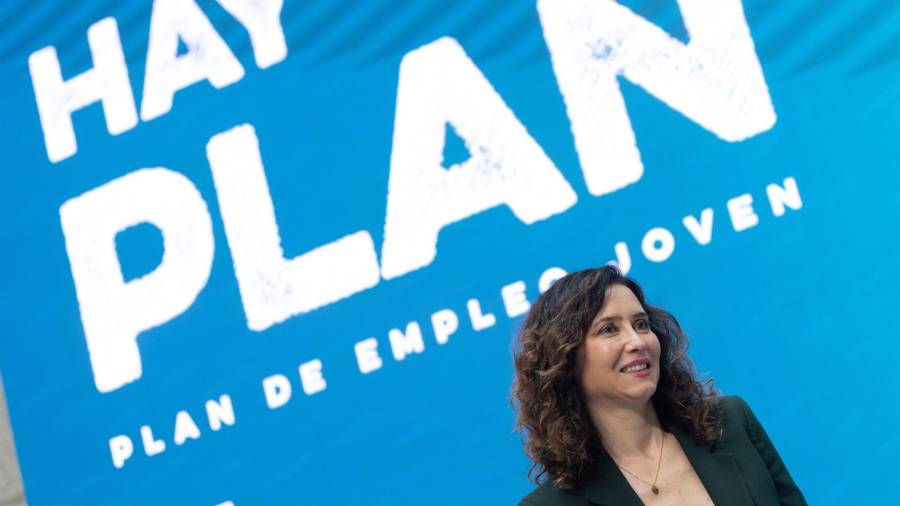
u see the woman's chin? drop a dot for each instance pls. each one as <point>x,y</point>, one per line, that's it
<point>645,394</point>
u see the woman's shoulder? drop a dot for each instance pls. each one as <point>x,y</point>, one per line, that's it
<point>731,405</point>
<point>734,413</point>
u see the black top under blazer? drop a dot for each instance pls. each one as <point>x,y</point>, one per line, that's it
<point>741,468</point>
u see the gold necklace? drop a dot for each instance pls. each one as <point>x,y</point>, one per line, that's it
<point>653,486</point>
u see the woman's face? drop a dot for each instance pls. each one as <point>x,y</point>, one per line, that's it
<point>619,359</point>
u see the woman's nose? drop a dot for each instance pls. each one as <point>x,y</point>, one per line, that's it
<point>634,340</point>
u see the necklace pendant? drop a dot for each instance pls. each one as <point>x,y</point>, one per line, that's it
<point>655,489</point>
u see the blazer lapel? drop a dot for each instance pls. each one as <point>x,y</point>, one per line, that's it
<point>608,485</point>
<point>717,470</point>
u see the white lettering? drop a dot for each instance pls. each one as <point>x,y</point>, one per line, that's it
<point>480,321</point>
<point>274,289</point>
<point>311,377</point>
<point>779,196</point>
<point>121,448</point>
<point>367,355</point>
<point>277,389</point>
<point>151,447</point>
<point>221,412</point>
<point>185,428</point>
<point>658,244</point>
<point>262,19</point>
<point>113,312</point>
<point>208,56</point>
<point>444,322</point>
<point>623,257</point>
<point>106,82</point>
<point>702,230</point>
<point>408,343</point>
<point>549,277</point>
<point>715,80</point>
<point>514,300</point>
<point>741,211</point>
<point>439,84</point>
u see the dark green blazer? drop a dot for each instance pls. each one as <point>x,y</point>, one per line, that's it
<point>741,468</point>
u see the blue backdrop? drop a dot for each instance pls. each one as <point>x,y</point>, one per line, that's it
<point>792,309</point>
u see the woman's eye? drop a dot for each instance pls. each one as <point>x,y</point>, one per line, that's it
<point>642,325</point>
<point>606,329</point>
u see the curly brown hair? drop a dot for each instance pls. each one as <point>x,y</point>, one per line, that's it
<point>559,436</point>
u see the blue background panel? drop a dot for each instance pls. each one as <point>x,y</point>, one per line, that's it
<point>795,314</point>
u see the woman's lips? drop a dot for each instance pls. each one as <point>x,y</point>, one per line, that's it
<point>642,366</point>
<point>640,374</point>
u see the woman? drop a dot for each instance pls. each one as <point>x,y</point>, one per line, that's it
<point>613,414</point>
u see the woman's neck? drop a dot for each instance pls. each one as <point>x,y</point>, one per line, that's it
<point>628,431</point>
